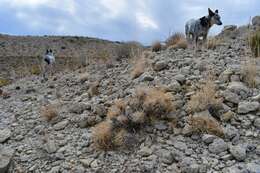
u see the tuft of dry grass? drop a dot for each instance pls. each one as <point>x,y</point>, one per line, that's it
<point>249,73</point>
<point>212,43</point>
<point>4,82</point>
<point>93,89</point>
<point>49,112</point>
<point>138,118</point>
<point>254,43</point>
<point>156,46</point>
<point>204,123</point>
<point>102,135</point>
<point>117,109</point>
<point>204,98</point>
<point>177,40</point>
<point>129,50</point>
<point>139,66</point>
<point>35,70</point>
<point>155,102</point>
<point>120,139</point>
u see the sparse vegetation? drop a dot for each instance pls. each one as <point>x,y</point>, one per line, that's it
<point>204,98</point>
<point>49,112</point>
<point>4,82</point>
<point>129,50</point>
<point>93,89</point>
<point>102,135</point>
<point>254,43</point>
<point>177,40</point>
<point>213,42</point>
<point>35,70</point>
<point>138,68</point>
<point>156,46</point>
<point>146,104</point>
<point>249,72</point>
<point>204,123</point>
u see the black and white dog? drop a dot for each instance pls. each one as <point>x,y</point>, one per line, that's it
<point>200,27</point>
<point>49,60</point>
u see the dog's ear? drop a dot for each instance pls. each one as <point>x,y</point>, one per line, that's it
<point>204,21</point>
<point>216,11</point>
<point>211,13</point>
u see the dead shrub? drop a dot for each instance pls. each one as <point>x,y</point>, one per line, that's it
<point>213,42</point>
<point>204,98</point>
<point>176,40</point>
<point>49,112</point>
<point>140,64</point>
<point>204,123</point>
<point>93,89</point>
<point>120,139</point>
<point>249,73</point>
<point>155,102</point>
<point>102,135</point>
<point>117,109</point>
<point>129,50</point>
<point>156,46</point>
<point>138,118</point>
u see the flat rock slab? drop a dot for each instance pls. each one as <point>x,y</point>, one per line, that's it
<point>4,135</point>
<point>6,155</point>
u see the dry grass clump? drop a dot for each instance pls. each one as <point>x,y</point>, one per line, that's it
<point>203,123</point>
<point>254,43</point>
<point>140,64</point>
<point>4,82</point>
<point>177,40</point>
<point>129,50</point>
<point>35,70</point>
<point>93,89</point>
<point>204,98</point>
<point>49,112</point>
<point>156,46</point>
<point>212,43</point>
<point>249,73</point>
<point>147,103</point>
<point>156,102</point>
<point>102,135</point>
<point>117,109</point>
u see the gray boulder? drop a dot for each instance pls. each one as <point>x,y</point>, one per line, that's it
<point>246,107</point>
<point>218,146</point>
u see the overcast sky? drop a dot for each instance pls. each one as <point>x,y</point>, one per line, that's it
<point>120,20</point>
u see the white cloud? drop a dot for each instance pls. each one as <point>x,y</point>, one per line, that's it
<point>146,22</point>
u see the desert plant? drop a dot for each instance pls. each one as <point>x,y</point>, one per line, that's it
<point>204,98</point>
<point>249,72</point>
<point>116,109</point>
<point>175,39</point>
<point>49,112</point>
<point>254,43</point>
<point>156,46</point>
<point>212,43</point>
<point>35,70</point>
<point>138,67</point>
<point>102,135</point>
<point>4,82</point>
<point>204,123</point>
<point>129,50</point>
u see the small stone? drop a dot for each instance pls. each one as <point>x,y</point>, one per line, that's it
<point>5,134</point>
<point>78,108</point>
<point>218,146</point>
<point>246,107</point>
<point>253,167</point>
<point>145,152</point>
<point>238,152</point>
<point>86,162</point>
<point>208,138</point>
<point>160,125</point>
<point>61,125</point>
<point>51,146</point>
<point>160,65</point>
<point>257,123</point>
<point>146,77</point>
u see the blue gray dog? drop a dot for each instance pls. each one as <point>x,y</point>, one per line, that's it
<point>194,29</point>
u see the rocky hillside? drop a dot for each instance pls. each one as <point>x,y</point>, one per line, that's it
<point>20,54</point>
<point>196,112</point>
